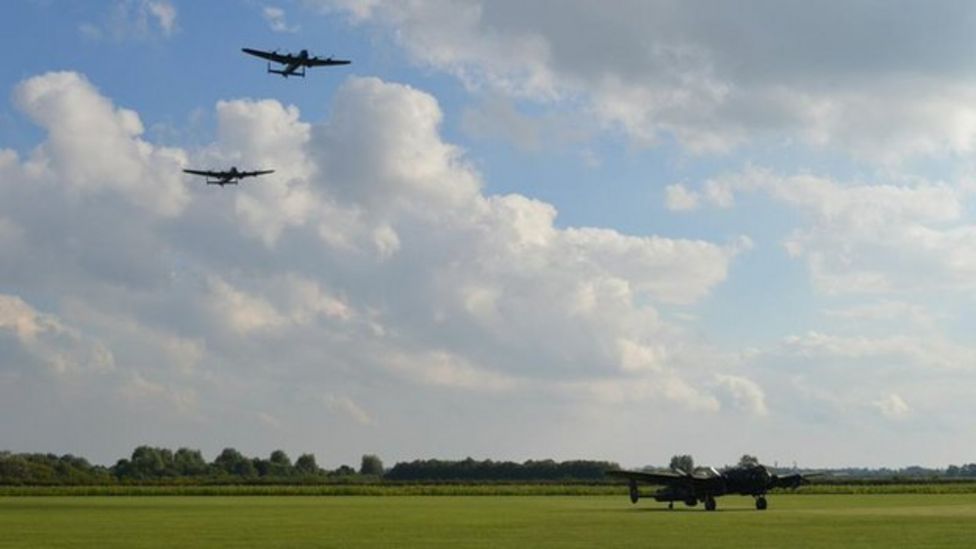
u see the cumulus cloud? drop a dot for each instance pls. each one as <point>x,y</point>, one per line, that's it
<point>300,301</point>
<point>742,394</point>
<point>165,14</point>
<point>372,262</point>
<point>682,70</point>
<point>49,342</point>
<point>94,146</point>
<point>133,20</point>
<point>868,238</point>
<point>277,19</point>
<point>348,407</point>
<point>499,118</point>
<point>922,351</point>
<point>680,198</point>
<point>893,406</point>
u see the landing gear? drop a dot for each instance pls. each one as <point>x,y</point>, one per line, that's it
<point>710,503</point>
<point>761,503</point>
<point>671,505</point>
<point>634,492</point>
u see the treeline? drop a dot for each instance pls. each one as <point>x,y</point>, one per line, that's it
<point>161,466</point>
<point>435,470</point>
<point>49,469</point>
<point>184,466</point>
<point>966,471</point>
<point>150,465</point>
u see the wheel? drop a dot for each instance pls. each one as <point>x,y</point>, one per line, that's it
<point>710,504</point>
<point>761,503</point>
<point>634,492</point>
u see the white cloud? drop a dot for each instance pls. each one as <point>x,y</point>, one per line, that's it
<point>893,406</point>
<point>441,368</point>
<point>371,262</point>
<point>165,14</point>
<point>277,19</point>
<point>499,118</point>
<point>667,388</point>
<point>888,311</point>
<point>743,394</point>
<point>93,146</point>
<point>348,407</point>
<point>681,69</point>
<point>143,393</point>
<point>925,351</point>
<point>133,20</point>
<point>680,198</point>
<point>868,238</point>
<point>57,347</point>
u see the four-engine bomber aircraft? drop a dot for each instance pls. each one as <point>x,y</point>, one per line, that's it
<point>293,62</point>
<point>705,484</point>
<point>226,177</point>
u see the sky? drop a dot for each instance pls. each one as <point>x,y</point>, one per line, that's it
<point>508,230</point>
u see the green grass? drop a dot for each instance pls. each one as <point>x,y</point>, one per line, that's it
<point>515,521</point>
<point>323,490</point>
<point>445,489</point>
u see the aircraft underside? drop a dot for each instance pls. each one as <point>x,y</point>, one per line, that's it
<point>707,499</point>
<point>671,494</point>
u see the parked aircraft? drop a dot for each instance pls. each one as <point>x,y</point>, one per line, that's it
<point>704,485</point>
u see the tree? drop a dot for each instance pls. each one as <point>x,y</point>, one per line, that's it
<point>149,462</point>
<point>189,462</point>
<point>684,462</point>
<point>305,465</point>
<point>232,462</point>
<point>280,458</point>
<point>280,464</point>
<point>748,461</point>
<point>344,471</point>
<point>371,465</point>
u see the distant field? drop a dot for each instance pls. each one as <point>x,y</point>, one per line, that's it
<point>513,521</point>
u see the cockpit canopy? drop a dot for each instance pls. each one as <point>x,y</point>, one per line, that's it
<point>706,472</point>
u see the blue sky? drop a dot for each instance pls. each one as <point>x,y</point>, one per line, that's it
<point>504,231</point>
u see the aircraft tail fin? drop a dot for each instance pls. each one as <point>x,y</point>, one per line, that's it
<point>285,73</point>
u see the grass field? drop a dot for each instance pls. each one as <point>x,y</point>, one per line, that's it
<point>443,489</point>
<point>478,521</point>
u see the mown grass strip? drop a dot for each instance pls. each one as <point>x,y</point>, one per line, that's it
<point>801,522</point>
<point>320,490</point>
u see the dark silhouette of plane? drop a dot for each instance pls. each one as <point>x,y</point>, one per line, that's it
<point>226,177</point>
<point>705,485</point>
<point>293,62</point>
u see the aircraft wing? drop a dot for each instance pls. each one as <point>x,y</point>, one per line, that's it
<point>650,478</point>
<point>270,56</point>
<point>252,174</point>
<point>318,62</point>
<point>791,481</point>
<point>206,173</point>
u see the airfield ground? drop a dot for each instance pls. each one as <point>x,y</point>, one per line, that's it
<point>486,521</point>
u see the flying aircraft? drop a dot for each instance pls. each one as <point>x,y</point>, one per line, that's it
<point>705,485</point>
<point>226,177</point>
<point>293,62</point>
